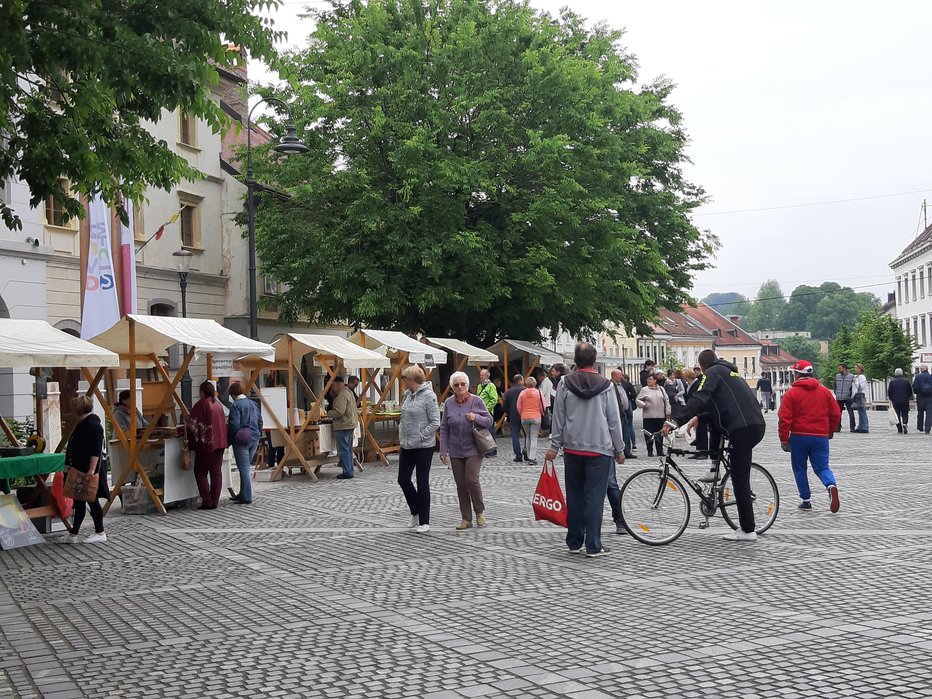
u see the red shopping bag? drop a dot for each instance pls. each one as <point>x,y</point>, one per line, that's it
<point>548,500</point>
<point>65,505</point>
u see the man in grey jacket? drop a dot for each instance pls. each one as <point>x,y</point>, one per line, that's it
<point>587,426</point>
<point>844,394</point>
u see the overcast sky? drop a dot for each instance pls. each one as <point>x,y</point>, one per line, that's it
<point>785,104</point>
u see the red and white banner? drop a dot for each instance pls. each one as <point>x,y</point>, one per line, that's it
<point>101,302</point>
<point>128,250</point>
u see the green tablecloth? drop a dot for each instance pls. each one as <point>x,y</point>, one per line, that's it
<point>32,465</point>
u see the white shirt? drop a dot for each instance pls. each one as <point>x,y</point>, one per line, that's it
<point>860,384</point>
<point>546,388</point>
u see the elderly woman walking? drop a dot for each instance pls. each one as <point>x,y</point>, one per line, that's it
<point>655,403</point>
<point>244,426</point>
<point>207,437</point>
<point>531,408</point>
<point>462,413</point>
<point>417,431</point>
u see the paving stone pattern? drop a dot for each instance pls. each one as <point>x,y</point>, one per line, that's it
<point>319,590</point>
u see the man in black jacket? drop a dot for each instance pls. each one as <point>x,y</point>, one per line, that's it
<point>510,406</point>
<point>899,392</point>
<point>733,408</point>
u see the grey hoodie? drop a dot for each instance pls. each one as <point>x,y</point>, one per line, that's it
<point>420,418</point>
<point>585,415</point>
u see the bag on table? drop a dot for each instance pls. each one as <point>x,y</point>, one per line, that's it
<point>548,499</point>
<point>80,485</point>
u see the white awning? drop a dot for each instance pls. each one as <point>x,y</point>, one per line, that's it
<point>546,356</point>
<point>475,354</point>
<point>352,355</point>
<point>155,334</point>
<point>394,341</point>
<point>34,343</point>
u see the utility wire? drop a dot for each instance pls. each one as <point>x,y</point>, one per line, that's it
<point>812,203</point>
<point>818,292</point>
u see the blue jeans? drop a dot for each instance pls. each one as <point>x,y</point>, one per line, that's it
<point>862,419</point>
<point>344,440</point>
<point>516,437</point>
<point>805,449</point>
<point>627,431</point>
<point>631,433</point>
<point>243,457</point>
<point>614,494</point>
<point>586,485</point>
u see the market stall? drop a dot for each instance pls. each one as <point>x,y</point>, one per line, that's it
<point>140,341</point>
<point>526,355</point>
<point>463,355</point>
<point>306,435</point>
<point>34,344</point>
<point>401,351</point>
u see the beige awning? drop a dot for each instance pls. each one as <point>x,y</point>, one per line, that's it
<point>475,354</point>
<point>34,343</point>
<point>546,356</point>
<point>155,334</point>
<point>386,341</point>
<point>352,356</point>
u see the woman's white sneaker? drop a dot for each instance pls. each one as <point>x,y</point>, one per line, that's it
<point>96,538</point>
<point>740,535</point>
<point>422,528</point>
<point>415,521</point>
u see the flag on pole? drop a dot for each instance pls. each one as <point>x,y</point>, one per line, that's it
<point>161,229</point>
<point>128,252</point>
<point>101,304</point>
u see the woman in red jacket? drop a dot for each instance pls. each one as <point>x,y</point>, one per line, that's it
<point>808,416</point>
<point>207,437</point>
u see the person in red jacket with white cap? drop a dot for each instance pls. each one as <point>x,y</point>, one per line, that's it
<point>808,416</point>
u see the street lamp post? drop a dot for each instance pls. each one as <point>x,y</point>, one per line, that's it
<point>183,265</point>
<point>290,145</point>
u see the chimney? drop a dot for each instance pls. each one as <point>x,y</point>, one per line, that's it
<point>736,320</point>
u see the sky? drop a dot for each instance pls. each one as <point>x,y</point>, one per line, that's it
<point>785,104</point>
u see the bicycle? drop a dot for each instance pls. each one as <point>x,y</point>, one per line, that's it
<point>655,506</point>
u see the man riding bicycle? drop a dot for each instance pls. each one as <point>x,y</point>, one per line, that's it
<point>732,408</point>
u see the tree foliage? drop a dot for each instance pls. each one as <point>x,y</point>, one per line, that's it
<point>802,302</point>
<point>79,79</point>
<point>801,348</point>
<point>839,308</point>
<point>840,351</point>
<point>767,307</point>
<point>881,345</point>
<point>478,169</point>
<point>729,303</point>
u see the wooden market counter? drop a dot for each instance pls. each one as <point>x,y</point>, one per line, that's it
<point>38,467</point>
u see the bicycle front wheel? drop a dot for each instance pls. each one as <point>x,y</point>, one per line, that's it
<point>654,507</point>
<point>765,499</point>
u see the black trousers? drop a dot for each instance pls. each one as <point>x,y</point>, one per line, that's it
<point>902,415</point>
<point>923,410</point>
<point>741,447</point>
<point>417,462</point>
<point>654,424</point>
<point>846,405</point>
<point>97,514</point>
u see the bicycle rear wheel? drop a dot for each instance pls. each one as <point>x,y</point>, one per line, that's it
<point>765,499</point>
<point>654,507</point>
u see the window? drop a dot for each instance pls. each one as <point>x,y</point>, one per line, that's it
<point>734,360</point>
<point>922,283</point>
<point>190,221</point>
<point>923,331</point>
<point>187,130</point>
<point>745,365</point>
<point>753,365</point>
<point>899,290</point>
<point>914,285</point>
<point>269,285</point>
<point>55,214</point>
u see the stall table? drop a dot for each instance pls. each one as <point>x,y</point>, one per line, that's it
<point>38,467</point>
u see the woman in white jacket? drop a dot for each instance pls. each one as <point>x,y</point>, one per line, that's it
<point>655,404</point>
<point>859,397</point>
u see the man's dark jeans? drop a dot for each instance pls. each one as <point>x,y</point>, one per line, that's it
<point>586,485</point>
<point>844,405</point>
<point>627,431</point>
<point>923,413</point>
<point>741,446</point>
<point>613,492</point>
<point>515,428</point>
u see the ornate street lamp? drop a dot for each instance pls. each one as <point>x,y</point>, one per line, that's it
<point>183,265</point>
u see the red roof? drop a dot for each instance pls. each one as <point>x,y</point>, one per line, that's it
<point>726,333</point>
<point>679,325</point>
<point>774,355</point>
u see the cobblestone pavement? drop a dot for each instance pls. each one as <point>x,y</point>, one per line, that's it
<point>319,590</point>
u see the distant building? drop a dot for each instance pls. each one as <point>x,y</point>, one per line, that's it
<point>731,343</point>
<point>781,334</point>
<point>912,270</point>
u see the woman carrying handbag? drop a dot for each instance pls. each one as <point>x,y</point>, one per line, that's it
<point>83,455</point>
<point>464,438</point>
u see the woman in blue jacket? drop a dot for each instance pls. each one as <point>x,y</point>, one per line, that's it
<point>244,425</point>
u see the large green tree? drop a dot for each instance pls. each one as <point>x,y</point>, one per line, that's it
<point>728,303</point>
<point>78,79</point>
<point>839,308</point>
<point>840,351</point>
<point>795,314</point>
<point>767,307</point>
<point>478,169</point>
<point>801,348</point>
<point>881,345</point>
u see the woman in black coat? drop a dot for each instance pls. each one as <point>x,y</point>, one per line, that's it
<point>85,448</point>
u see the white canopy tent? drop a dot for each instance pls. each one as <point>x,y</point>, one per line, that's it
<point>463,354</point>
<point>394,342</point>
<point>327,347</point>
<point>34,343</point>
<point>531,356</point>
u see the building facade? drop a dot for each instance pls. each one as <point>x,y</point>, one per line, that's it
<point>912,271</point>
<point>731,343</point>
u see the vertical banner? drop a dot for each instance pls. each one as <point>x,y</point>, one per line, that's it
<point>101,302</point>
<point>128,249</point>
